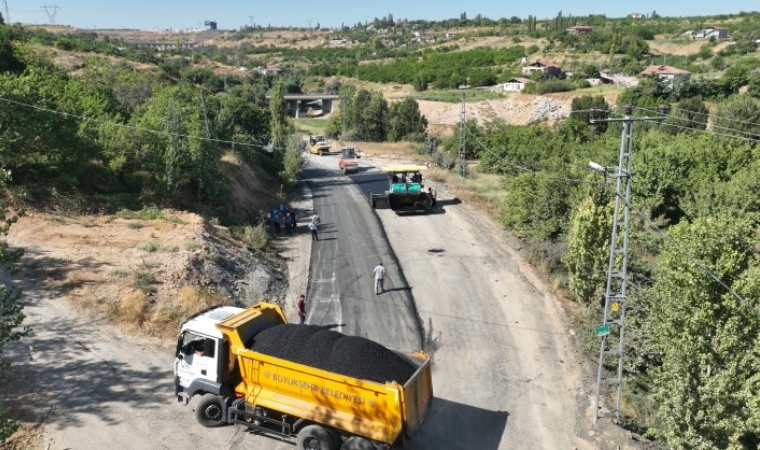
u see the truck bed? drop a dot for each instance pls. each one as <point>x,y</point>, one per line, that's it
<point>379,411</point>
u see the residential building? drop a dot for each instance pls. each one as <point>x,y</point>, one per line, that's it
<point>672,75</point>
<point>516,84</point>
<point>636,15</point>
<point>545,68</point>
<point>712,33</point>
<point>580,29</point>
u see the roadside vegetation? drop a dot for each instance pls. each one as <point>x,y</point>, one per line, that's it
<point>114,139</point>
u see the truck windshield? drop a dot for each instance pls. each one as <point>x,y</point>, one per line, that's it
<point>195,343</point>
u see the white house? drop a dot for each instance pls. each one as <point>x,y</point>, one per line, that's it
<point>516,84</point>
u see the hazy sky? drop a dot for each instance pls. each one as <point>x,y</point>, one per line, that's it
<point>232,14</point>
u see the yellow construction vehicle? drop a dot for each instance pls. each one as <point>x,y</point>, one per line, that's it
<point>318,145</point>
<point>303,383</point>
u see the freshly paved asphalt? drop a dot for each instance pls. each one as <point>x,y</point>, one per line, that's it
<point>351,243</point>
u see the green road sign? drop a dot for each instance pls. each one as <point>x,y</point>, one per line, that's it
<point>603,330</point>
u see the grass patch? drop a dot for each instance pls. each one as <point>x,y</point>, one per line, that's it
<point>190,246</point>
<point>133,307</point>
<point>149,247</point>
<point>147,213</point>
<point>148,265</point>
<point>118,273</point>
<point>455,95</point>
<point>177,220</point>
<point>255,236</point>
<point>312,126</point>
<point>135,225</point>
<point>145,281</point>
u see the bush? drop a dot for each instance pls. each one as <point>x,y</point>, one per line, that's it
<point>255,236</point>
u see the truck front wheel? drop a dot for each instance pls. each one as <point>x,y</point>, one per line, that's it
<point>315,437</point>
<point>209,411</point>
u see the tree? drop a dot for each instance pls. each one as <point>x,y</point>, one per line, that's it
<point>588,245</point>
<point>738,116</point>
<point>688,114</point>
<point>706,385</point>
<point>11,302</point>
<point>536,206</point>
<point>406,121</point>
<point>280,124</point>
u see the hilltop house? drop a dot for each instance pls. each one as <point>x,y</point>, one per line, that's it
<point>580,29</point>
<point>712,33</point>
<point>671,75</point>
<point>636,15</point>
<point>516,84</point>
<point>545,68</point>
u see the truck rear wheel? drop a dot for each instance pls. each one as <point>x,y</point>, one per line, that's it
<point>358,443</point>
<point>209,411</point>
<point>315,437</point>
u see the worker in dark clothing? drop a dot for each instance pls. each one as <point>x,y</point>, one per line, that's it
<point>301,305</point>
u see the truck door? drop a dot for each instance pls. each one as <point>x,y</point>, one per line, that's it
<point>197,358</point>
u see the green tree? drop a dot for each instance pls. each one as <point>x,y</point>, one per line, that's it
<point>738,116</point>
<point>688,114</point>
<point>536,206</point>
<point>584,109</point>
<point>11,302</point>
<point>280,124</point>
<point>706,385</point>
<point>588,245</point>
<point>406,121</point>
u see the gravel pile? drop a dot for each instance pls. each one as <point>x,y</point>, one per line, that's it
<point>315,346</point>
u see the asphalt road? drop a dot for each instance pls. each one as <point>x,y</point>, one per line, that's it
<point>504,372</point>
<point>351,243</point>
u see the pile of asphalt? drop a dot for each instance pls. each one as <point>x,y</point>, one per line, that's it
<point>315,346</point>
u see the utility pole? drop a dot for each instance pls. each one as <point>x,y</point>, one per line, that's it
<point>7,13</point>
<point>51,11</point>
<point>462,141</point>
<point>612,330</point>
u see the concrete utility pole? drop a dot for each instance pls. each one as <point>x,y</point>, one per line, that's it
<point>7,13</point>
<point>612,330</point>
<point>462,141</point>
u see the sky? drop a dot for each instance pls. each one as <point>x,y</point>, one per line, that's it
<point>233,14</point>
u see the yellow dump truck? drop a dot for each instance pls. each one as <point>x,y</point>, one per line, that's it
<point>306,384</point>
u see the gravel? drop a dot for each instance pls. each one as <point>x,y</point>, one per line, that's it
<point>318,347</point>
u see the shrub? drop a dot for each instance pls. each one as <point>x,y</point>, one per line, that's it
<point>254,236</point>
<point>133,307</point>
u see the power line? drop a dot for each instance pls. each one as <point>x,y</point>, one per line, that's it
<point>131,127</point>
<point>717,126</point>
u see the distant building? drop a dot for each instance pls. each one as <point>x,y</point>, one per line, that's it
<point>516,84</point>
<point>271,71</point>
<point>712,33</point>
<point>636,15</point>
<point>545,68</point>
<point>672,75</point>
<point>580,29</point>
<point>451,34</point>
<point>210,25</point>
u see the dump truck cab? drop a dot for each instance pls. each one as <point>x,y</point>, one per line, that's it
<point>201,354</point>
